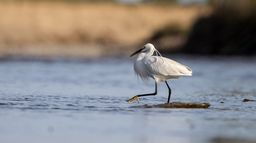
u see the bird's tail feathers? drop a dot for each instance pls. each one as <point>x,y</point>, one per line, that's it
<point>189,71</point>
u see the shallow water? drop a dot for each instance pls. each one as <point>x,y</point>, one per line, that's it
<point>85,101</point>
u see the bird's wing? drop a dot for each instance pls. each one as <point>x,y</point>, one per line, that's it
<point>166,67</point>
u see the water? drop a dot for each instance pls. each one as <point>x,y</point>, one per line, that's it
<point>85,101</point>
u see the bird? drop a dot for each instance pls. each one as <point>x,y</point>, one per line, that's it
<point>149,63</point>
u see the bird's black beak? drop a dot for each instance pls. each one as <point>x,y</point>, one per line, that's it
<point>136,52</point>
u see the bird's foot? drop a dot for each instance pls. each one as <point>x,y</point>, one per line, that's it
<point>133,99</point>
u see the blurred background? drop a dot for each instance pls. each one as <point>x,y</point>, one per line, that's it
<point>65,71</point>
<point>95,28</point>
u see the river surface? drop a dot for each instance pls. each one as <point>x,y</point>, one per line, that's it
<point>85,101</point>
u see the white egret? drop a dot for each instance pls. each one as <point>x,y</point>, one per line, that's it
<point>149,63</point>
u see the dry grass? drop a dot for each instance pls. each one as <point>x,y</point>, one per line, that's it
<point>45,28</point>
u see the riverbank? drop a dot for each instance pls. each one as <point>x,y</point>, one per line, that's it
<point>84,29</point>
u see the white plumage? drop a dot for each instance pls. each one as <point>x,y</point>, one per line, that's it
<point>157,67</point>
<point>146,65</point>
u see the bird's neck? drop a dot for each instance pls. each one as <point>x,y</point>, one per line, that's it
<point>141,56</point>
<point>151,52</point>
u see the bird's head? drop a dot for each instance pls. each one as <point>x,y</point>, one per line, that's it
<point>147,49</point>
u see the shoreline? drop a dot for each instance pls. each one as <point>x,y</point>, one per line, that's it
<point>84,30</point>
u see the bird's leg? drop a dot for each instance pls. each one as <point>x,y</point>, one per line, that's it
<point>140,95</point>
<point>170,92</point>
